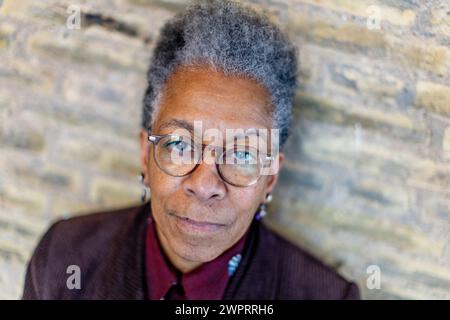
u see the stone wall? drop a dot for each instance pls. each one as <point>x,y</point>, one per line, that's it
<point>367,177</point>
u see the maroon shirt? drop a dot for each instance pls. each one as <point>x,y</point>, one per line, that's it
<point>206,282</point>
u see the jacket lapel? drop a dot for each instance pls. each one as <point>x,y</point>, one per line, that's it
<point>256,276</point>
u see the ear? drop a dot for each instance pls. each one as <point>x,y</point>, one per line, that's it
<point>273,179</point>
<point>144,144</point>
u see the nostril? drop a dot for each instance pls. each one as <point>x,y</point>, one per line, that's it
<point>202,193</point>
<point>190,191</point>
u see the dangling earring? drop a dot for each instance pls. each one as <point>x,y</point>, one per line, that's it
<point>145,189</point>
<point>263,208</point>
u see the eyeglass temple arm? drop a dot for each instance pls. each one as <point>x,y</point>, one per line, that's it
<point>154,138</point>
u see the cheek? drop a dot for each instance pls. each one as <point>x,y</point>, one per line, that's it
<point>245,202</point>
<point>163,192</point>
<point>160,183</point>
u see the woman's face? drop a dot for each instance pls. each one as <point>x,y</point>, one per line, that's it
<point>199,216</point>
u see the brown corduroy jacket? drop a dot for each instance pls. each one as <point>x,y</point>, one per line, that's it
<point>108,247</point>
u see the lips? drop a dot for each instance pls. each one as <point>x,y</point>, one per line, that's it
<point>194,225</point>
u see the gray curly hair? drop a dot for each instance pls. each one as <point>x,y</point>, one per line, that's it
<point>234,39</point>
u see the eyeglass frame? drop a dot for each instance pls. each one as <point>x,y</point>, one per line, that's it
<point>154,139</point>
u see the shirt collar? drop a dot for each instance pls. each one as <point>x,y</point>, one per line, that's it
<point>206,282</point>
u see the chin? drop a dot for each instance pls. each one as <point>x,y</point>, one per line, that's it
<point>198,253</point>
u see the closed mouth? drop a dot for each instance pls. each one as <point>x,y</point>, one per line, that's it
<point>198,225</point>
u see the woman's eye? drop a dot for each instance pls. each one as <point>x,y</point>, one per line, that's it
<point>243,156</point>
<point>178,145</point>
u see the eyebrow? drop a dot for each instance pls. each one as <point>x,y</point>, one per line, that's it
<point>178,123</point>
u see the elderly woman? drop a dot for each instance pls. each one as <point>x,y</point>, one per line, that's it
<point>217,68</point>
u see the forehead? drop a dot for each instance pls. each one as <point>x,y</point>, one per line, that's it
<point>217,100</point>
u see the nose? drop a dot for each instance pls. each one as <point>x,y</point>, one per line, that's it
<point>204,183</point>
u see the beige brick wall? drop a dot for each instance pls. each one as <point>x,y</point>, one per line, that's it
<point>367,178</point>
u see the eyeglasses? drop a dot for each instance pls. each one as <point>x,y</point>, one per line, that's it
<point>179,155</point>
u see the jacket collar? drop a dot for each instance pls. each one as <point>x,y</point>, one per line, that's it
<point>123,275</point>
